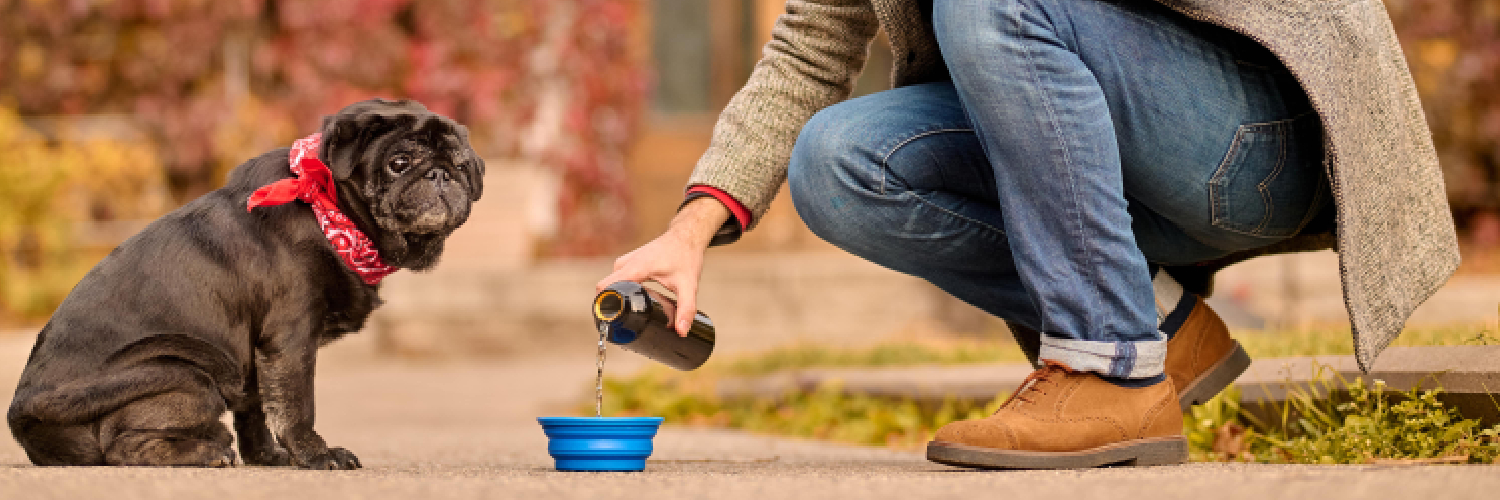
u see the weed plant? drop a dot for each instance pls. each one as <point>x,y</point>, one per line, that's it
<point>1354,423</point>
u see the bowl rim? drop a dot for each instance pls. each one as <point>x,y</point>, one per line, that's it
<point>598,421</point>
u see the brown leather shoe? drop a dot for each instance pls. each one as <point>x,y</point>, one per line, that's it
<point>1201,358</point>
<point>1062,419</point>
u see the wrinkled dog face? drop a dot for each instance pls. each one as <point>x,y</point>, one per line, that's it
<point>409,171</point>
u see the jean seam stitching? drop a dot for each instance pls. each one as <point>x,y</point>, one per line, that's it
<point>956,214</point>
<point>886,158</point>
<point>1175,32</point>
<point>885,165</point>
<point>1264,185</point>
<point>1066,161</point>
<point>1217,210</point>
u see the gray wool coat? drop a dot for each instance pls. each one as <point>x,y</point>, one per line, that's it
<point>1395,234</point>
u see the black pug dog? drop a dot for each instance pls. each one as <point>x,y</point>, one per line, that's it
<point>214,307</point>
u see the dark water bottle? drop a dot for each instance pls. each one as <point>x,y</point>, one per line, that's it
<point>640,320</point>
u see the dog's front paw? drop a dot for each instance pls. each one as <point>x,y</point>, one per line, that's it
<point>335,459</point>
<point>225,461</point>
<point>275,457</point>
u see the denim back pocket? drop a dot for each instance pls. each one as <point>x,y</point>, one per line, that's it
<point>1271,182</point>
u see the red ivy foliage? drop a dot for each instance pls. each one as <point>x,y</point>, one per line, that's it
<point>185,69</point>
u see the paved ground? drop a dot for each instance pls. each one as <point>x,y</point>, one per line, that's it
<point>467,431</point>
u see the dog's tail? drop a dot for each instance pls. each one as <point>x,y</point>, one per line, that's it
<point>153,365</point>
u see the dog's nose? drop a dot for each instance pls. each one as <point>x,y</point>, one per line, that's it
<point>439,175</point>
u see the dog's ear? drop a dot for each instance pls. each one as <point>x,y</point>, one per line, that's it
<point>348,136</point>
<point>467,158</point>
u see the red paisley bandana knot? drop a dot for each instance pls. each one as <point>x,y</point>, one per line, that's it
<point>313,184</point>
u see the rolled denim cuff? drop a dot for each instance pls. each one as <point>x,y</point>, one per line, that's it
<point>1111,359</point>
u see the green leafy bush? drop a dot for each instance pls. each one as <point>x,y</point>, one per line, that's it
<point>1354,424</point>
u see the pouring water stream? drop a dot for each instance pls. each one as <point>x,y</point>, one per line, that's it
<point>599,382</point>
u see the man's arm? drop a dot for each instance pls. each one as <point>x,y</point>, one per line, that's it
<point>817,49</point>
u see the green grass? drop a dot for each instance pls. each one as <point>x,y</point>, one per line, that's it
<point>824,413</point>
<point>884,354</point>
<point>1366,425</point>
<point>1335,341</point>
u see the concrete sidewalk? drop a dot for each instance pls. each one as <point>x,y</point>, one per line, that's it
<point>468,431</point>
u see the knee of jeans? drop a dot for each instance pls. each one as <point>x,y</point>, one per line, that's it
<point>813,203</point>
<point>832,153</point>
<point>833,134</point>
<point>829,171</point>
<point>808,181</point>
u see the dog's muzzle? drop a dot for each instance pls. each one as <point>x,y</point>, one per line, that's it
<point>434,203</point>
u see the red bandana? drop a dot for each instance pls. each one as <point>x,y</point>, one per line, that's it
<point>314,185</point>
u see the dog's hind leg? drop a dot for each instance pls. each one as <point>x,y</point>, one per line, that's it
<point>58,445</point>
<point>180,428</point>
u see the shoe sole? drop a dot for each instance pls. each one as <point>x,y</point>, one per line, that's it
<point>1147,452</point>
<point>1215,379</point>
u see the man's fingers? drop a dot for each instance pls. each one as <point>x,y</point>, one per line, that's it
<point>687,306</point>
<point>684,303</point>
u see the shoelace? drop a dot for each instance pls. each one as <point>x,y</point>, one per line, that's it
<point>1032,383</point>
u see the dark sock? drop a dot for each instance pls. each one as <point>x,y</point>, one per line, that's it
<point>1178,316</point>
<point>1135,382</point>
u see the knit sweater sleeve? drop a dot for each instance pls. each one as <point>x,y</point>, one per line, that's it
<point>817,49</point>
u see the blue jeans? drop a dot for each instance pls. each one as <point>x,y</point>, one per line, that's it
<point>1078,141</point>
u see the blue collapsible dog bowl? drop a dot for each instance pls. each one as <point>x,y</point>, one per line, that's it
<point>600,443</point>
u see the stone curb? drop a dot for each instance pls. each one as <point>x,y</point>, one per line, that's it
<point>1456,369</point>
<point>1469,376</point>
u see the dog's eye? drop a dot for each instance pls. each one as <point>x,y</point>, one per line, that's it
<point>400,163</point>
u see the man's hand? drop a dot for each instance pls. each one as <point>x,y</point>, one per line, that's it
<point>675,259</point>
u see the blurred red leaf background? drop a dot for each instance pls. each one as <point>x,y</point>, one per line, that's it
<point>120,109</point>
<point>117,110</point>
<point>214,82</point>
